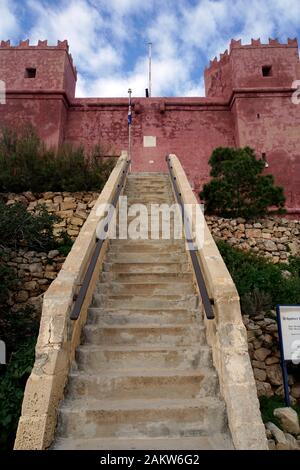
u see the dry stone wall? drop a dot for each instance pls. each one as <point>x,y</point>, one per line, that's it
<point>72,208</point>
<point>35,271</point>
<point>274,238</point>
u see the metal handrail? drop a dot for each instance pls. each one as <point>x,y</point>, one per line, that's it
<point>79,299</point>
<point>207,302</point>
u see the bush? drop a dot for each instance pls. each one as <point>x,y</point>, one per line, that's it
<point>12,390</point>
<point>17,326</point>
<point>27,165</point>
<point>7,278</point>
<point>19,227</point>
<point>237,188</point>
<point>256,302</point>
<point>259,281</point>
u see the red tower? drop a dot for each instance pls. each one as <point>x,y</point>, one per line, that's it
<point>257,81</point>
<point>40,81</point>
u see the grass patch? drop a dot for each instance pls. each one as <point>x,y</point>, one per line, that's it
<point>269,404</point>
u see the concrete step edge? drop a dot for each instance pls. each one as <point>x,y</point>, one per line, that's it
<point>84,404</point>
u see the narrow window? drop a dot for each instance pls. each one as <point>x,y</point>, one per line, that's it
<point>267,71</point>
<point>264,158</point>
<point>258,115</point>
<point>30,73</point>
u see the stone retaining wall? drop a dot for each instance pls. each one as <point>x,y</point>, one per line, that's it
<point>35,271</point>
<point>72,208</point>
<point>264,352</point>
<point>275,238</point>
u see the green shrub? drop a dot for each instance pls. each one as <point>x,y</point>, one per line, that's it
<point>12,386</point>
<point>254,277</point>
<point>26,164</point>
<point>237,187</point>
<point>19,227</point>
<point>256,302</point>
<point>7,279</point>
<point>64,244</point>
<point>16,326</point>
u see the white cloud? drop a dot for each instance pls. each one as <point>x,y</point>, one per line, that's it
<point>81,24</point>
<point>9,26</point>
<point>105,36</point>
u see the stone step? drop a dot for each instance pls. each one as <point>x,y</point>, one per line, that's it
<point>148,177</point>
<point>147,187</point>
<point>166,302</point>
<point>144,257</point>
<point>142,193</point>
<point>144,232</point>
<point>92,358</point>
<point>134,177</point>
<point>146,277</point>
<point>131,316</point>
<point>136,418</point>
<point>153,203</point>
<point>152,215</point>
<point>147,245</point>
<point>150,181</point>
<point>148,384</point>
<point>175,335</point>
<point>146,268</point>
<point>214,441</point>
<point>139,287</point>
<point>160,189</point>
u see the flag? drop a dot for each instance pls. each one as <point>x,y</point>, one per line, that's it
<point>129,116</point>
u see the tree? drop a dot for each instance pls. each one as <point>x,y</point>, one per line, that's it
<point>238,188</point>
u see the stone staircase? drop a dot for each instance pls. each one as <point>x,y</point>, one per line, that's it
<point>143,377</point>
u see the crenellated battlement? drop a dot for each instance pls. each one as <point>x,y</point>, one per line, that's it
<point>255,65</point>
<point>255,43</point>
<point>41,45</point>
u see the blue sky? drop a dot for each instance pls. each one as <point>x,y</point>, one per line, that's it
<point>108,38</point>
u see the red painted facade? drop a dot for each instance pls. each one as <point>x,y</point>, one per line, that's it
<point>248,102</point>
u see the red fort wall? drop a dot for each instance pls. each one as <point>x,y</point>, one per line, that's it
<point>248,102</point>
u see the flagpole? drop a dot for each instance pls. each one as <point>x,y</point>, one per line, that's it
<point>129,126</point>
<point>150,64</point>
